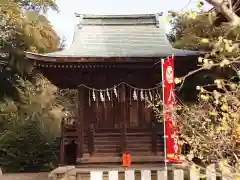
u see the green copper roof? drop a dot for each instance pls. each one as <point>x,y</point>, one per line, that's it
<point>120,36</point>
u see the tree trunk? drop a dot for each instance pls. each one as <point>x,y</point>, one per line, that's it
<point>222,6</point>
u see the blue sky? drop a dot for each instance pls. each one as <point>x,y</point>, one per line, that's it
<point>64,21</point>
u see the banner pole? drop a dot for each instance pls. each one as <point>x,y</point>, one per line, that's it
<point>164,124</point>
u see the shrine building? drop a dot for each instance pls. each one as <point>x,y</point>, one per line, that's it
<point>114,64</point>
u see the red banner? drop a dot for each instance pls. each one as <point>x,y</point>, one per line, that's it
<point>171,133</point>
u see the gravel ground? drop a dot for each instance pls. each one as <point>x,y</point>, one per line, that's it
<point>25,176</point>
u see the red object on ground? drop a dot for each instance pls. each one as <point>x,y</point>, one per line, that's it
<point>127,160</point>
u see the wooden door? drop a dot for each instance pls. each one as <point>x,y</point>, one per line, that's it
<point>104,115</point>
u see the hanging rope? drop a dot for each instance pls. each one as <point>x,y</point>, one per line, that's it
<point>117,85</point>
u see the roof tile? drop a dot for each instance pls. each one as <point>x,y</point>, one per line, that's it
<point>120,36</point>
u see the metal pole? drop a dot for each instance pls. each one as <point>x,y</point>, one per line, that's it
<point>164,123</point>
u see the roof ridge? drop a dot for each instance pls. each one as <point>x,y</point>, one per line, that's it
<point>116,16</point>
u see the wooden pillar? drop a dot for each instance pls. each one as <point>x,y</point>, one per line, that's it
<point>91,135</point>
<point>154,136</point>
<point>140,113</point>
<point>80,121</point>
<point>123,117</point>
<point>154,131</point>
<point>62,147</point>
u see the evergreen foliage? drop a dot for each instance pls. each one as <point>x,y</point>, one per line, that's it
<point>28,126</point>
<point>27,149</point>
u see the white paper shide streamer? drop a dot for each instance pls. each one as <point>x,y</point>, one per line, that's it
<point>108,95</point>
<point>102,96</point>
<point>150,95</point>
<point>135,97</point>
<point>141,95</point>
<point>94,96</point>
<point>115,91</point>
